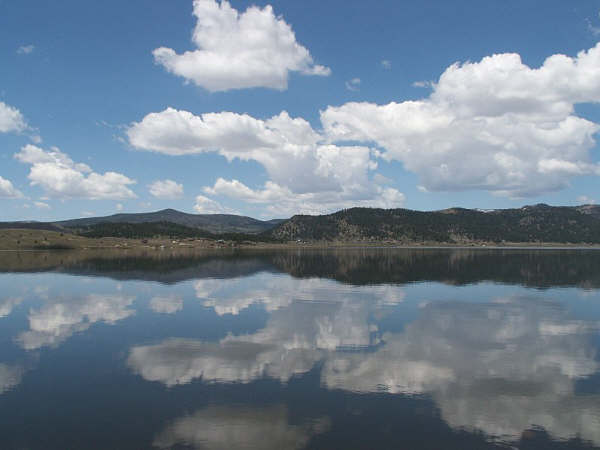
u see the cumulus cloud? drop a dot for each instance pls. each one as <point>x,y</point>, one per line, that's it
<point>11,119</point>
<point>281,200</point>
<point>306,174</point>
<point>166,189</point>
<point>239,50</point>
<point>495,125</point>
<point>58,320</point>
<point>205,205</point>
<point>7,190</point>
<point>241,427</point>
<point>60,177</point>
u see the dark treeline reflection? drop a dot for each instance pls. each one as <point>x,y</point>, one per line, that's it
<point>528,267</point>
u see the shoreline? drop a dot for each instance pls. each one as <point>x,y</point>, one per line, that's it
<point>20,240</point>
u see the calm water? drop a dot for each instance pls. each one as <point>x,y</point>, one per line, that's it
<point>391,349</point>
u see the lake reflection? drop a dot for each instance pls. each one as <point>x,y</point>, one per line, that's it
<point>306,349</point>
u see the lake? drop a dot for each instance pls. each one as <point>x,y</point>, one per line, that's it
<point>320,349</point>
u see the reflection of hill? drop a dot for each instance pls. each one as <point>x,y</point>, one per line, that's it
<point>151,265</point>
<point>170,269</point>
<point>538,268</point>
<point>453,266</point>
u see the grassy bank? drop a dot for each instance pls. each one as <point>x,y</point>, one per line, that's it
<point>26,239</point>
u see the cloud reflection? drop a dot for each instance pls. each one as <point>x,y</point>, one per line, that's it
<point>226,427</point>
<point>294,339</point>
<point>7,306</point>
<point>166,305</point>
<point>499,367</point>
<point>275,292</point>
<point>56,321</point>
<point>10,376</point>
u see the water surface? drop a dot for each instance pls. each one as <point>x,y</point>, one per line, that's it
<point>416,349</point>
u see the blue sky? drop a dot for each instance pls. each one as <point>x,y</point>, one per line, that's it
<point>297,107</point>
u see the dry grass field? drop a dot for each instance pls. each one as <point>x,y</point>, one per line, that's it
<point>21,239</point>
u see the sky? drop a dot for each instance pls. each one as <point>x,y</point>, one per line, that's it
<point>270,109</point>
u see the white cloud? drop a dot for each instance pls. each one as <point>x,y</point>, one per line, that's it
<point>166,189</point>
<point>353,84</point>
<point>25,49</point>
<point>61,177</point>
<point>7,190</point>
<point>495,125</point>
<point>306,174</point>
<point>239,50</point>
<point>585,200</point>
<point>11,119</point>
<point>41,205</point>
<point>281,200</point>
<point>205,205</point>
<point>386,64</point>
<point>382,179</point>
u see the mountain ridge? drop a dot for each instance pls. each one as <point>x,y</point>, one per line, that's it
<point>540,223</point>
<point>214,223</point>
<point>528,224</point>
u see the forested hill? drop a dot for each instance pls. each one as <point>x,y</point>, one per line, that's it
<point>212,223</point>
<point>537,223</point>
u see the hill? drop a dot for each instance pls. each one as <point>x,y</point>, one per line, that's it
<point>213,223</point>
<point>162,229</point>
<point>529,224</point>
<point>45,226</point>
